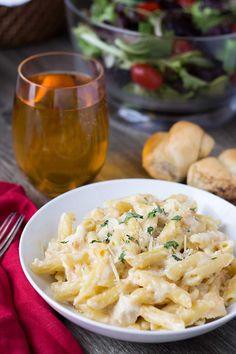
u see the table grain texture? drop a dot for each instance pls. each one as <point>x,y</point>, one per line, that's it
<point>124,161</point>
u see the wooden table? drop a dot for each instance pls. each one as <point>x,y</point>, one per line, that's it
<point>124,161</point>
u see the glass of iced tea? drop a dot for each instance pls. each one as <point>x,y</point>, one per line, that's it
<point>60,121</point>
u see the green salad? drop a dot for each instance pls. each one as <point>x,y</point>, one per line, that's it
<point>167,59</point>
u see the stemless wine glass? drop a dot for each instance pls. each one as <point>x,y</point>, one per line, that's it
<point>60,121</point>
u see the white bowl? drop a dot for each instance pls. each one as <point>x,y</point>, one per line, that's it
<point>43,226</point>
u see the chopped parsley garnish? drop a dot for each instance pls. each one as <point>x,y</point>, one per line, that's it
<point>107,240</point>
<point>104,224</point>
<point>193,209</point>
<point>176,258</point>
<point>177,218</point>
<point>150,230</point>
<point>130,215</point>
<point>154,212</point>
<point>131,238</point>
<point>171,244</point>
<point>64,242</point>
<point>122,257</point>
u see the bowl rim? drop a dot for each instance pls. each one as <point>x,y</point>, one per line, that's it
<point>70,313</point>
<point>103,26</point>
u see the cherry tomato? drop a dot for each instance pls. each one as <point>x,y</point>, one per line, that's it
<point>233,28</point>
<point>147,76</point>
<point>182,46</point>
<point>186,3</point>
<point>148,6</point>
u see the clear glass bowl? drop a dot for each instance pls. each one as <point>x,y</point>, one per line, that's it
<point>209,102</point>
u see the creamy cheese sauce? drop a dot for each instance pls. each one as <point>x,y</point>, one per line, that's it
<point>138,255</point>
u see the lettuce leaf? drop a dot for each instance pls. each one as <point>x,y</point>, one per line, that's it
<point>228,55</point>
<point>218,86</point>
<point>165,92</point>
<point>138,90</point>
<point>191,82</point>
<point>147,47</point>
<point>91,44</point>
<point>178,61</point>
<point>103,10</point>
<point>145,27</point>
<point>206,18</point>
<point>128,2</point>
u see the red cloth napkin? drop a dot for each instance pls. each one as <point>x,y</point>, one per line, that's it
<point>27,323</point>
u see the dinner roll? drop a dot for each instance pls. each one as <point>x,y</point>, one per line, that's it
<point>216,175</point>
<point>169,155</point>
<point>228,158</point>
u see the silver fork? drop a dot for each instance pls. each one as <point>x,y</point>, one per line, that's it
<point>8,230</point>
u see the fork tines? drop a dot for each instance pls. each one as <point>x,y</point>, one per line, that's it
<point>8,230</point>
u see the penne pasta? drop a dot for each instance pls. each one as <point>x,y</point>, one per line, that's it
<point>143,263</point>
<point>230,291</point>
<point>161,318</point>
<point>147,259</point>
<point>47,266</point>
<point>195,276</point>
<point>163,290</point>
<point>106,298</point>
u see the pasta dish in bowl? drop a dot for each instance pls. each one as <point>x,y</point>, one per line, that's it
<point>143,263</point>
<point>152,263</point>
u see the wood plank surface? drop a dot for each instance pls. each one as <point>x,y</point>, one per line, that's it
<point>123,161</point>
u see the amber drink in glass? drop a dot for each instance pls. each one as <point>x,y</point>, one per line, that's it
<point>60,121</point>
